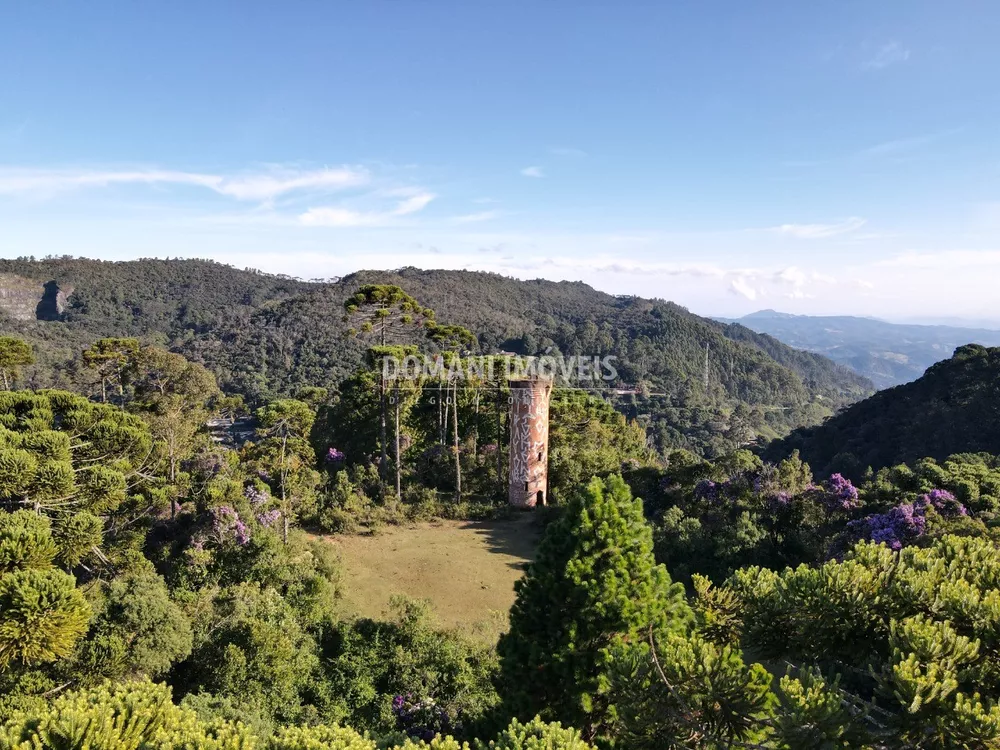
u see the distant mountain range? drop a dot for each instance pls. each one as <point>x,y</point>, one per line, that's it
<point>886,353</point>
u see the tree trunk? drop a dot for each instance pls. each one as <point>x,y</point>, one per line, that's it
<point>383,449</point>
<point>440,414</point>
<point>399,481</point>
<point>382,429</point>
<point>284,499</point>
<point>444,424</point>
<point>173,486</point>
<point>475,428</point>
<point>458,455</point>
<point>499,438</point>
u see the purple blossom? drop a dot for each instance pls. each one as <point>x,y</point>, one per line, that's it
<point>944,502</point>
<point>841,493</point>
<point>333,455</point>
<point>897,526</point>
<point>242,533</point>
<point>255,496</point>
<point>268,517</point>
<point>226,521</point>
<point>780,499</point>
<point>420,719</point>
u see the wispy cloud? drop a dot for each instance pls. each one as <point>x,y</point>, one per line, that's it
<point>476,217</point>
<point>339,216</point>
<point>254,186</point>
<point>533,172</point>
<point>890,53</point>
<point>900,145</point>
<point>948,259</point>
<point>740,287</point>
<point>819,231</point>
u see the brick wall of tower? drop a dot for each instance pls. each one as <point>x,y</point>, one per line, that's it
<point>529,442</point>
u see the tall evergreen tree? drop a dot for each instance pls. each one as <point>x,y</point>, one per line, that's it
<point>593,585</point>
<point>387,314</point>
<point>14,353</point>
<point>42,613</point>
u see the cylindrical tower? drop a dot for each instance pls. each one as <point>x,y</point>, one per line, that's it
<point>529,442</point>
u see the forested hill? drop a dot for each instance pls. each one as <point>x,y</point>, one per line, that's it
<point>266,335</point>
<point>953,408</point>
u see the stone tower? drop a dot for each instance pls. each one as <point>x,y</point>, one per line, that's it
<point>529,442</point>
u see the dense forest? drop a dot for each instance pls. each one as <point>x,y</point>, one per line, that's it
<point>168,583</point>
<point>265,336</point>
<point>953,408</point>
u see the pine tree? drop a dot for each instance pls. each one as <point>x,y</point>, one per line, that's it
<point>387,314</point>
<point>42,613</point>
<point>14,353</point>
<point>593,585</point>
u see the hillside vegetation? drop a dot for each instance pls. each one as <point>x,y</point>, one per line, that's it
<point>953,408</point>
<point>163,589</point>
<point>265,336</point>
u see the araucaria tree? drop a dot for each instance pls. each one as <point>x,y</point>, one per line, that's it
<point>172,395</point>
<point>114,361</point>
<point>593,585</point>
<point>285,456</point>
<point>387,315</point>
<point>42,613</point>
<point>14,354</point>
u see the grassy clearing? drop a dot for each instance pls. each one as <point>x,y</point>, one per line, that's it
<point>466,569</point>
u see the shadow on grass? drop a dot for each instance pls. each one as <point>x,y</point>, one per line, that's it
<point>515,537</point>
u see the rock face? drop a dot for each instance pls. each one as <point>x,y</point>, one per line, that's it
<point>25,299</point>
<point>529,442</point>
<point>54,300</point>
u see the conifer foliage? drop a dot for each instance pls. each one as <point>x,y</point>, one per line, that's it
<point>42,613</point>
<point>593,585</point>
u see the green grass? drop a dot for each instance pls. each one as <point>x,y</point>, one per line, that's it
<point>466,569</point>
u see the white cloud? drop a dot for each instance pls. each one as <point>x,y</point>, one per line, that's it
<point>948,259</point>
<point>741,287</point>
<point>820,231</point>
<point>791,275</point>
<point>533,172</point>
<point>413,204</point>
<point>259,186</point>
<point>338,216</point>
<point>890,53</point>
<point>266,186</point>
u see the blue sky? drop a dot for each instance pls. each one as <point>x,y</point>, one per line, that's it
<point>811,157</point>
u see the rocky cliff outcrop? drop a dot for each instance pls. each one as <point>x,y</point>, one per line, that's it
<point>25,299</point>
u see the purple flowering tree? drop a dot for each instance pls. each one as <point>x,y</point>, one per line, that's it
<point>227,525</point>
<point>943,502</point>
<point>420,719</point>
<point>840,494</point>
